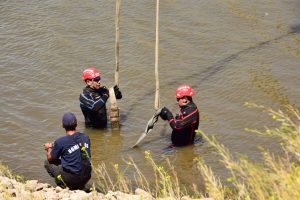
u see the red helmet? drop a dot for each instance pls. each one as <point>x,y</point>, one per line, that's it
<point>184,90</point>
<point>90,73</point>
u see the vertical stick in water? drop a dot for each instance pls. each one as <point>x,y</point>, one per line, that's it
<point>157,102</point>
<point>114,110</point>
<point>117,46</point>
<point>153,120</point>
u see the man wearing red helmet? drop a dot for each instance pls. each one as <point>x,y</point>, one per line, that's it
<point>93,99</point>
<point>186,122</point>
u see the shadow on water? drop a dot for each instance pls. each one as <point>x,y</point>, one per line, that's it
<point>220,65</point>
<point>296,29</point>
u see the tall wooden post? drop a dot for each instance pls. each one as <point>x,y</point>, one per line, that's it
<point>117,43</point>
<point>114,109</point>
<point>157,102</point>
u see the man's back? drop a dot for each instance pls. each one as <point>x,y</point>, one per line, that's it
<point>68,148</point>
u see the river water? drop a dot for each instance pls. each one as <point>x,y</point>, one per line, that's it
<point>229,51</point>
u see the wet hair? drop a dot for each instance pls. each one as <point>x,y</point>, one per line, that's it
<point>70,127</point>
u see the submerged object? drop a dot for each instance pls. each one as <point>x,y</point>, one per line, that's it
<point>149,126</point>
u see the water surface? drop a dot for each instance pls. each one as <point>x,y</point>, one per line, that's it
<point>230,52</point>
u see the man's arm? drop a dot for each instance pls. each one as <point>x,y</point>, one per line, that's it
<point>181,123</point>
<point>48,147</point>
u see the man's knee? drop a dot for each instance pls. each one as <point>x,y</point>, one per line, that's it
<point>52,169</point>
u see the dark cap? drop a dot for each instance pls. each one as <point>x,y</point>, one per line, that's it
<point>69,120</point>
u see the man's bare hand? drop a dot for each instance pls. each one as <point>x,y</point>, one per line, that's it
<point>48,146</point>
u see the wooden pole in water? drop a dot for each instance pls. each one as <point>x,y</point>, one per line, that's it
<point>117,44</point>
<point>157,102</point>
<point>114,109</point>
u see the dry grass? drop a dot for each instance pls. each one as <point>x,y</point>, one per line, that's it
<point>166,184</point>
<point>275,178</point>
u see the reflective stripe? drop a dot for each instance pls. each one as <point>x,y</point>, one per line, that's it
<point>90,101</point>
<point>182,119</point>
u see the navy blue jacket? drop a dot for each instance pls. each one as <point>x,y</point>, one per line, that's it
<point>67,148</point>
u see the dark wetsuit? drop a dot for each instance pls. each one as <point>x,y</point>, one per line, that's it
<point>184,125</point>
<point>93,106</point>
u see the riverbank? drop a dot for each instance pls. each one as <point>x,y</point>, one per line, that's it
<point>10,188</point>
<point>32,189</point>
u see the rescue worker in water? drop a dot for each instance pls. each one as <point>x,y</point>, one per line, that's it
<point>186,122</point>
<point>93,99</point>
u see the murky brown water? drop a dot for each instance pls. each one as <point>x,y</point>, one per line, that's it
<point>231,52</point>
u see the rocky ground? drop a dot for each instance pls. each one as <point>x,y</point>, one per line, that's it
<point>32,189</point>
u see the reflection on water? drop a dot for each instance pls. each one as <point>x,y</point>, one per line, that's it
<point>230,52</point>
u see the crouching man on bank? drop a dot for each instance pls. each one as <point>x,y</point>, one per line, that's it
<point>68,157</point>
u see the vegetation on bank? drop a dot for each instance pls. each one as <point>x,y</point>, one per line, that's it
<point>276,177</point>
<point>6,172</point>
